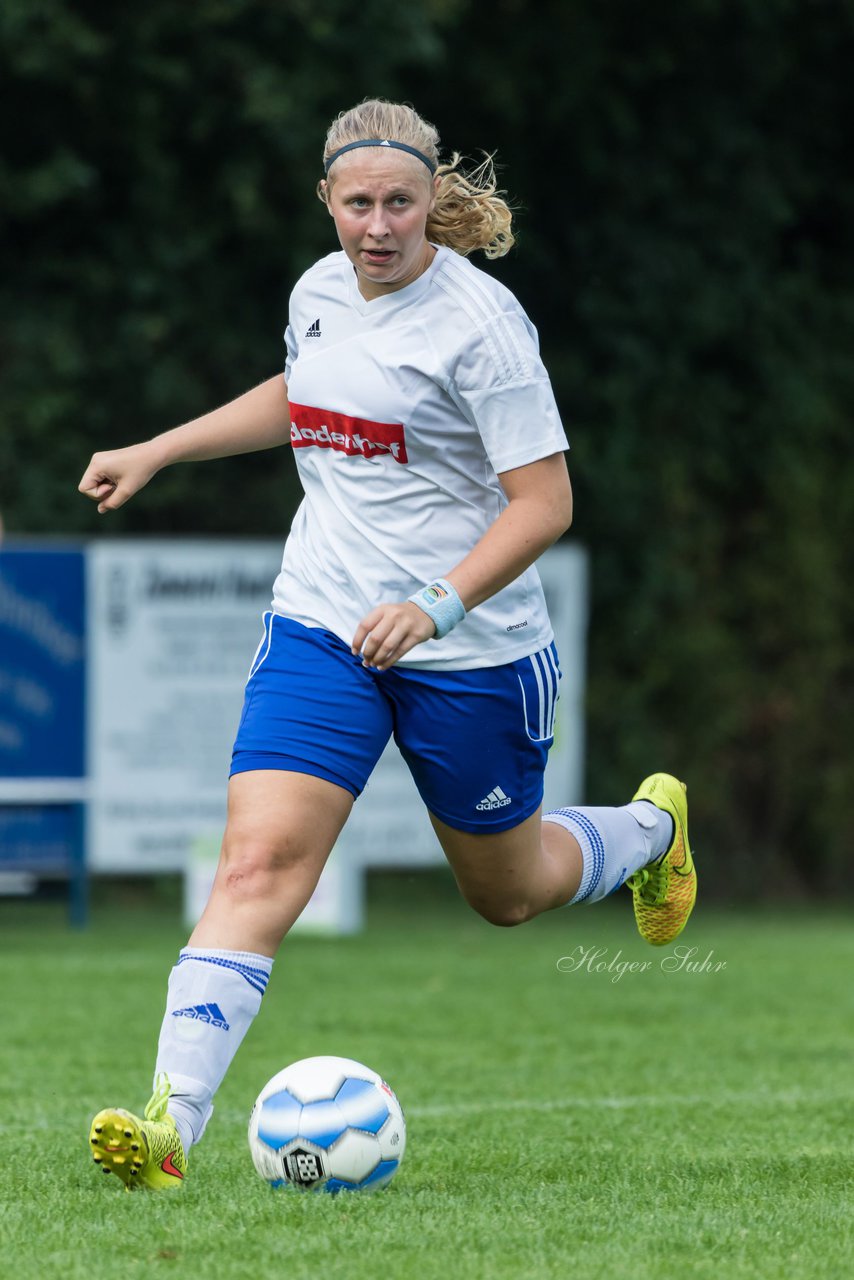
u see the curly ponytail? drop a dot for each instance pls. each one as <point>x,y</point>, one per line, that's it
<point>469,212</point>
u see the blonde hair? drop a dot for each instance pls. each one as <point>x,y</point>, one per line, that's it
<point>469,211</point>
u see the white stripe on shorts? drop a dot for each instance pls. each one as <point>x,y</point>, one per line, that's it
<point>551,666</point>
<point>539,679</point>
<point>266,641</point>
<point>546,675</point>
<point>551,693</point>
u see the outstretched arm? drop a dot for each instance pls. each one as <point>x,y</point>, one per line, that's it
<point>259,419</point>
<point>539,510</point>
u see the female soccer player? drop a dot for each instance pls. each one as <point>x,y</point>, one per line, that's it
<point>430,449</point>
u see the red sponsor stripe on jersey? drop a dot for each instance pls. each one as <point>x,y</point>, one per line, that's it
<point>353,436</point>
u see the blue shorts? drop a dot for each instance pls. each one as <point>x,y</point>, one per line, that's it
<point>475,742</point>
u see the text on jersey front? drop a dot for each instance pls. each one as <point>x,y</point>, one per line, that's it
<point>325,429</point>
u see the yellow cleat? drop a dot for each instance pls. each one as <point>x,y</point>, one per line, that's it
<point>664,892</point>
<point>142,1153</point>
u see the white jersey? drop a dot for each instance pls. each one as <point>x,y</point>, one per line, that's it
<point>404,411</point>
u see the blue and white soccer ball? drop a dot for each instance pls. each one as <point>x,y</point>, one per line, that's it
<point>327,1124</point>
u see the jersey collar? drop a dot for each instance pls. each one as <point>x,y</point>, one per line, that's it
<point>400,298</point>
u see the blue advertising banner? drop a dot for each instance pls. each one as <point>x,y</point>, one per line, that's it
<point>42,663</point>
<point>40,838</point>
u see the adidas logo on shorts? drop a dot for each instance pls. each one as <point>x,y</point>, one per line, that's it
<point>495,800</point>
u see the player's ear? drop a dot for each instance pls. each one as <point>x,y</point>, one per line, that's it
<point>434,193</point>
<point>323,191</point>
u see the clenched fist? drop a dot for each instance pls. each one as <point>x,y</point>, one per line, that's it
<point>111,478</point>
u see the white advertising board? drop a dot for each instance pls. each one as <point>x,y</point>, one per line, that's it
<point>172,629</point>
<point>173,625</point>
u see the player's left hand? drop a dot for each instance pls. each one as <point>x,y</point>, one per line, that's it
<point>388,632</point>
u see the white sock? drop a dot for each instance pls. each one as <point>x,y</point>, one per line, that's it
<point>614,843</point>
<point>212,998</point>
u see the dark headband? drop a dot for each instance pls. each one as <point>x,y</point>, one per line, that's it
<point>379,142</point>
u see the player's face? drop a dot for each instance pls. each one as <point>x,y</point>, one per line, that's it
<point>380,201</point>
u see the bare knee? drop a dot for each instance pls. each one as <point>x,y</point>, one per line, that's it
<point>254,868</point>
<point>506,915</point>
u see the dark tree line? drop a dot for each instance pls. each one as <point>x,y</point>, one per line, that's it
<point>684,181</point>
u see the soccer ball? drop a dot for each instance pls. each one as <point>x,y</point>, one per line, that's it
<point>327,1124</point>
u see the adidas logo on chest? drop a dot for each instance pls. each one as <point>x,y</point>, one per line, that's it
<point>313,330</point>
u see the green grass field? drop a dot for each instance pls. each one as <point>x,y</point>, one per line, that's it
<point>572,1123</point>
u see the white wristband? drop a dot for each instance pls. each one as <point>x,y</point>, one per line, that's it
<point>441,602</point>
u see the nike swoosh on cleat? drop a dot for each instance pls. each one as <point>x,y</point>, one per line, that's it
<point>168,1167</point>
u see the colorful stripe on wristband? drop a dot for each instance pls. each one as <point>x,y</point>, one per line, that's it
<point>441,602</point>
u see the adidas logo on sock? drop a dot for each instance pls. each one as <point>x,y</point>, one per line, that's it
<point>313,330</point>
<point>203,1013</point>
<point>495,800</point>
